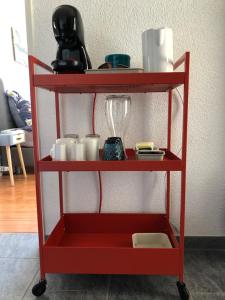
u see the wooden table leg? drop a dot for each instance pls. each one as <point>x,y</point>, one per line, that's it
<point>20,153</point>
<point>9,159</point>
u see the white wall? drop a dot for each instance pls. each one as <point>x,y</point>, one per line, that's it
<point>116,26</point>
<point>15,76</point>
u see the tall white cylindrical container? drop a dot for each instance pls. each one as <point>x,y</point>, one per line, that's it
<point>157,50</point>
<point>78,152</point>
<point>60,152</point>
<point>92,146</point>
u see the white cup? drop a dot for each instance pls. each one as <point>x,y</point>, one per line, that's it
<point>78,151</point>
<point>92,146</point>
<point>157,49</point>
<point>58,152</point>
<point>69,143</point>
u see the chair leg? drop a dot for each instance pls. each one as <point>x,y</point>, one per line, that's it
<point>9,159</point>
<point>21,159</point>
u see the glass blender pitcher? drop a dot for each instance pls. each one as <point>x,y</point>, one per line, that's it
<point>117,111</point>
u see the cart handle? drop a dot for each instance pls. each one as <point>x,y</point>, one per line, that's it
<point>182,60</point>
<point>34,61</point>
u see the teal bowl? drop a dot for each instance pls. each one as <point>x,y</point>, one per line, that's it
<point>118,59</point>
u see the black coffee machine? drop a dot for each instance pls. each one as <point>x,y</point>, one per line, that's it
<point>72,56</point>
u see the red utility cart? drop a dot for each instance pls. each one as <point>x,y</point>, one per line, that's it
<point>101,243</point>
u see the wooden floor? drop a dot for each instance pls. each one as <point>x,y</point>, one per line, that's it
<point>18,204</point>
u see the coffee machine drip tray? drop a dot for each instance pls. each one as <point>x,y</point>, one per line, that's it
<point>67,66</point>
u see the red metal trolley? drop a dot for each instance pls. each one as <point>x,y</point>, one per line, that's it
<point>96,243</point>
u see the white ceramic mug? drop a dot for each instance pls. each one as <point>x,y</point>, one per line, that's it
<point>157,50</point>
<point>78,151</point>
<point>92,146</point>
<point>58,151</point>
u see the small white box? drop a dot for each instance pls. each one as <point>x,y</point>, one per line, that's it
<point>151,240</point>
<point>12,137</point>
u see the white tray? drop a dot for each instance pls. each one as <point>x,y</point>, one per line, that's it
<point>151,240</point>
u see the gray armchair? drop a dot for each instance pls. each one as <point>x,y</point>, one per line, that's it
<point>6,122</point>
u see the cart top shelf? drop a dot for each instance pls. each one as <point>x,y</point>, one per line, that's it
<point>109,83</point>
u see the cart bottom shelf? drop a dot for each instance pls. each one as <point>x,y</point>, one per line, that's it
<point>96,240</point>
<point>102,244</point>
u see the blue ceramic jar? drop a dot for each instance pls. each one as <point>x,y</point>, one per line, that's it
<point>113,149</point>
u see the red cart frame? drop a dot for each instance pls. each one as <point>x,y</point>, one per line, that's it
<point>101,243</point>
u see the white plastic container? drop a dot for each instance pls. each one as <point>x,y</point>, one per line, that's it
<point>157,50</point>
<point>151,240</point>
<point>91,142</point>
<point>58,151</point>
<point>78,152</point>
<point>69,142</point>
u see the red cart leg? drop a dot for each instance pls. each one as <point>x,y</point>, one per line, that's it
<point>182,289</point>
<point>170,95</point>
<point>184,294</point>
<point>58,134</point>
<point>39,288</point>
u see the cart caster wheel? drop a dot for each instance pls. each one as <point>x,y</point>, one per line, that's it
<point>183,291</point>
<point>39,288</point>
